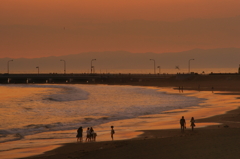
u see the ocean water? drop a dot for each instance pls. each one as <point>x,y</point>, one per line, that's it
<point>31,115</point>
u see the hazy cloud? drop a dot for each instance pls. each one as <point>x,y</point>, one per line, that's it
<point>134,35</point>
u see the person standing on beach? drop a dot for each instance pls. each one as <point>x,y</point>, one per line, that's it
<point>94,135</point>
<point>88,137</point>
<point>112,132</point>
<point>79,134</point>
<point>182,123</point>
<point>192,123</point>
<point>91,133</point>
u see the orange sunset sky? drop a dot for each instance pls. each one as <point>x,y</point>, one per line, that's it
<point>40,28</point>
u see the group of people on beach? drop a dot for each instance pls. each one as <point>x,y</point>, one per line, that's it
<point>91,135</point>
<point>183,123</point>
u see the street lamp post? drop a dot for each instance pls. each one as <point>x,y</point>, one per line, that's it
<point>38,69</point>
<point>189,65</point>
<point>92,65</point>
<point>64,66</point>
<point>8,65</point>
<point>154,65</point>
<point>159,69</point>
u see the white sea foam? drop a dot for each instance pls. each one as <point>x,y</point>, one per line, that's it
<point>67,93</point>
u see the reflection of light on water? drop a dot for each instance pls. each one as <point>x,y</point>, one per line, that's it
<point>20,153</point>
<point>50,114</point>
<point>117,105</point>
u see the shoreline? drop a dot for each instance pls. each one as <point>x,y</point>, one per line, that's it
<point>169,143</point>
<point>228,121</point>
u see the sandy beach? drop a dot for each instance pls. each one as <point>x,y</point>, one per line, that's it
<point>215,136</point>
<point>211,142</point>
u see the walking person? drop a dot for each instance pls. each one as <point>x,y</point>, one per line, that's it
<point>79,134</point>
<point>192,123</point>
<point>112,132</point>
<point>182,123</point>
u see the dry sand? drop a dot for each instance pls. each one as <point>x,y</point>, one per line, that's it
<point>217,141</point>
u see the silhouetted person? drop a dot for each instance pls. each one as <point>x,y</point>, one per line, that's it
<point>182,123</point>
<point>88,137</point>
<point>91,133</point>
<point>212,89</point>
<point>112,132</point>
<point>192,123</point>
<point>94,135</point>
<point>79,134</point>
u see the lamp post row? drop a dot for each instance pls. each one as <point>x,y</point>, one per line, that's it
<point>60,60</point>
<point>154,67</point>
<point>92,67</point>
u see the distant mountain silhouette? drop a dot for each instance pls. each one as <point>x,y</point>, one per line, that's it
<point>78,63</point>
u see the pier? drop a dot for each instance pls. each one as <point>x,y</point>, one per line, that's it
<point>201,82</point>
<point>79,78</point>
